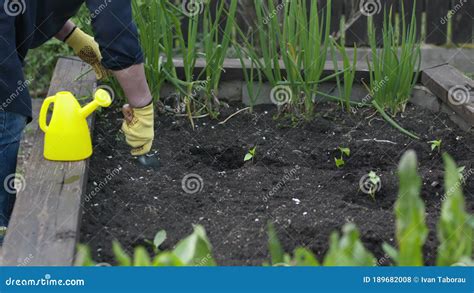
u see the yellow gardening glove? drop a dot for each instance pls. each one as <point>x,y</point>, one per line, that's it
<point>138,127</point>
<point>86,48</point>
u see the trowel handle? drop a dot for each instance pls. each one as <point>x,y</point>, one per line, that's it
<point>44,112</point>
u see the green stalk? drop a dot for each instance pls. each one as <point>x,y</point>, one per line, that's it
<point>392,122</point>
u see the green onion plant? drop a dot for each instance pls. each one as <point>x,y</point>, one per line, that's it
<point>300,45</point>
<point>216,44</point>
<point>349,71</point>
<point>394,68</point>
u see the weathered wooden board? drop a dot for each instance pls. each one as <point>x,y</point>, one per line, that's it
<point>454,88</point>
<point>44,227</point>
<point>232,69</point>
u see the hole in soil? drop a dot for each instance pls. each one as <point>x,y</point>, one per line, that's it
<point>220,158</point>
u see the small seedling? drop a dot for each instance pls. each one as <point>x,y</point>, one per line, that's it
<point>345,151</point>
<point>435,144</point>
<point>160,237</point>
<point>250,155</point>
<point>375,183</point>
<point>340,161</point>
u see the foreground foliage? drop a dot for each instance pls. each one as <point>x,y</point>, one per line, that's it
<point>455,234</point>
<point>194,250</point>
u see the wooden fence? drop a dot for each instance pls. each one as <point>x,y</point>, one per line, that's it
<point>438,14</point>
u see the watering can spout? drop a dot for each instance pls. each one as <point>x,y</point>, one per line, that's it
<point>101,99</point>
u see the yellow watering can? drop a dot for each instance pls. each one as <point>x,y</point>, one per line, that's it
<point>67,137</point>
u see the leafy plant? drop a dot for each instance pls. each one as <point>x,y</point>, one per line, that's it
<point>411,229</point>
<point>375,182</point>
<point>348,250</point>
<point>301,256</point>
<point>251,154</point>
<point>345,250</point>
<point>455,230</point>
<point>340,161</point>
<point>194,250</point>
<point>435,144</point>
<point>394,69</point>
<point>159,238</point>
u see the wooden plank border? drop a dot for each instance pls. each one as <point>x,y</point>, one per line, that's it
<point>44,227</point>
<point>454,88</point>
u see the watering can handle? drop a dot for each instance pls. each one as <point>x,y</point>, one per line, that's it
<point>44,112</point>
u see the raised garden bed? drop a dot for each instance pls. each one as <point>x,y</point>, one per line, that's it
<point>292,182</point>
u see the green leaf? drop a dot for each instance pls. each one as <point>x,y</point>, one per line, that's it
<point>83,256</point>
<point>411,230</point>
<point>167,259</point>
<point>141,258</point>
<point>339,162</point>
<point>304,258</point>
<point>195,250</point>
<point>122,258</point>
<point>455,234</point>
<point>348,250</point>
<point>248,157</point>
<point>391,252</point>
<point>274,246</point>
<point>160,237</point>
<point>345,151</point>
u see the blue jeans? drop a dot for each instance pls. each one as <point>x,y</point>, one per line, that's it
<point>11,129</point>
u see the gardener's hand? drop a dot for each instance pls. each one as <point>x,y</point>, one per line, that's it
<point>86,48</point>
<point>138,127</point>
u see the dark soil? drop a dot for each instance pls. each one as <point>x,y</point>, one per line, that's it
<point>239,199</point>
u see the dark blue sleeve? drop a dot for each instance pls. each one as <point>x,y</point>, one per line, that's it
<point>14,96</point>
<point>116,33</point>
